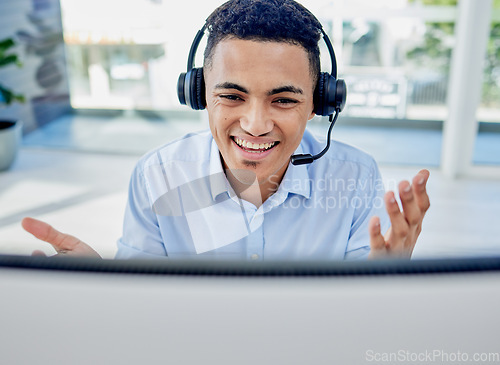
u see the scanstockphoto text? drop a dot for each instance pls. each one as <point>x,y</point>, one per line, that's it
<point>439,356</point>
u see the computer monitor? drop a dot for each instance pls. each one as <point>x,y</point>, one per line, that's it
<point>85,311</point>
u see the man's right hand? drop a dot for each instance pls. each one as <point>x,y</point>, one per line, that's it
<point>63,243</point>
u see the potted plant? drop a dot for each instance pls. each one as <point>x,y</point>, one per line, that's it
<point>10,130</point>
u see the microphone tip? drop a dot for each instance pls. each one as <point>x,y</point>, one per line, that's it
<point>301,159</point>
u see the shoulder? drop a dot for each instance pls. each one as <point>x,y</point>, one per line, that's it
<point>172,164</point>
<point>339,154</point>
<point>193,147</point>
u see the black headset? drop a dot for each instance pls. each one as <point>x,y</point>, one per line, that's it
<point>329,94</point>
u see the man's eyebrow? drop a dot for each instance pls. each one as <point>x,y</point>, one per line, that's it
<point>286,89</point>
<point>231,85</point>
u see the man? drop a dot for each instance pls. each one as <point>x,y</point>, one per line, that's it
<point>232,193</point>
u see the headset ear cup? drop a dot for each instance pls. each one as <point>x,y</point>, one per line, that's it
<point>199,91</point>
<point>180,88</point>
<point>319,95</point>
<point>191,89</point>
<point>330,94</point>
<point>340,94</point>
<point>193,85</point>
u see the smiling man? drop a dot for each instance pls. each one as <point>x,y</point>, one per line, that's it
<point>232,192</point>
<point>258,104</point>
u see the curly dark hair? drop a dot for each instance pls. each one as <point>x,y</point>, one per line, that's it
<point>265,20</point>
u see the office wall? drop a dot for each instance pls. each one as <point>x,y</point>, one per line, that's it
<point>36,27</point>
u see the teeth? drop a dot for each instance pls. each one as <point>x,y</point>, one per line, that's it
<point>253,146</point>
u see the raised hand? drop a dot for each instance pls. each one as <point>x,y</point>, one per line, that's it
<point>406,225</point>
<point>63,243</point>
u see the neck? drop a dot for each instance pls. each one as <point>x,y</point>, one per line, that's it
<point>247,187</point>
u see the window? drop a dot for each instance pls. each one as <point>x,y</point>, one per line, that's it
<point>487,146</point>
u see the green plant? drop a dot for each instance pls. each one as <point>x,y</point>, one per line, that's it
<point>434,52</point>
<point>8,96</point>
<point>491,85</point>
<point>435,49</point>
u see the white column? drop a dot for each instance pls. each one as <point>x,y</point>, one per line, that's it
<point>464,89</point>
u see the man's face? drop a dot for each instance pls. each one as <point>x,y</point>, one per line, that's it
<point>259,99</point>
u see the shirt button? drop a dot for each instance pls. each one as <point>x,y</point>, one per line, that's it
<point>254,256</point>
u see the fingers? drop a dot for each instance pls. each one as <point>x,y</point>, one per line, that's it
<point>414,198</point>
<point>60,241</point>
<point>411,210</point>
<point>420,191</point>
<point>399,225</point>
<point>377,241</point>
<point>406,224</point>
<point>64,244</point>
<point>39,229</point>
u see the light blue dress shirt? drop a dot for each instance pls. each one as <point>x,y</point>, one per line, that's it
<point>181,206</point>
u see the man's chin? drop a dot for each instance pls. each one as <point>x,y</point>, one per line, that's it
<point>251,164</point>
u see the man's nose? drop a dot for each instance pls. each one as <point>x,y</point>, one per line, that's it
<point>256,119</point>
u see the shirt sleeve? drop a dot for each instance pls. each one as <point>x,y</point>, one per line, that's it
<point>141,237</point>
<point>369,203</point>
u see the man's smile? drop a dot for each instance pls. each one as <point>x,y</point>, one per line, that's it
<point>252,147</point>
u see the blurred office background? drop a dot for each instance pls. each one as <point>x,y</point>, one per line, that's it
<point>99,78</point>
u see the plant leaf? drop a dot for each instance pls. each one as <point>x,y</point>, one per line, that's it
<point>7,60</point>
<point>6,44</point>
<point>7,97</point>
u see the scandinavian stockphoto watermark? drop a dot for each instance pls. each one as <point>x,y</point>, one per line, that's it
<point>330,193</point>
<point>334,193</point>
<point>208,205</point>
<point>333,202</point>
<point>432,356</point>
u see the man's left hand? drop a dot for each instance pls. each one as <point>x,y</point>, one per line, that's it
<point>406,225</point>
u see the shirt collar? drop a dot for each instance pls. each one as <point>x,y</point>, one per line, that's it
<point>296,179</point>
<point>218,180</point>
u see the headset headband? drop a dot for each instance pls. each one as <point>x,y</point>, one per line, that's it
<point>201,32</point>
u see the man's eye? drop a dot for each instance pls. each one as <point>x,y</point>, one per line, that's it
<point>285,101</point>
<point>231,97</point>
